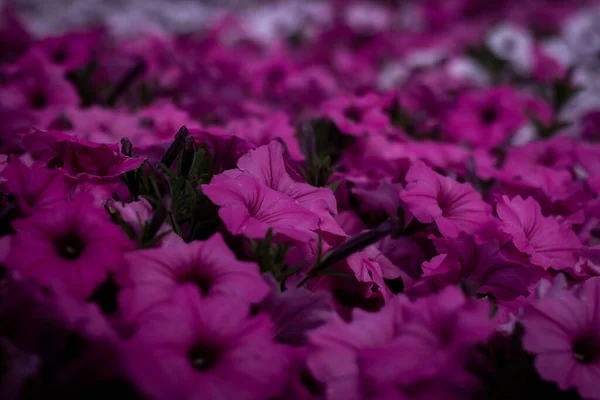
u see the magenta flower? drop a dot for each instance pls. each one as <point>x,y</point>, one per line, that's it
<point>402,253</point>
<point>78,158</point>
<point>548,243</point>
<point>193,348</point>
<point>557,192</point>
<point>357,116</point>
<point>30,88</point>
<point>37,84</point>
<point>370,268</point>
<point>554,153</point>
<point>335,346</point>
<point>378,196</point>
<point>266,164</point>
<point>487,119</point>
<point>73,244</point>
<point>72,50</point>
<point>262,132</point>
<point>295,312</point>
<point>152,276</point>
<point>249,208</point>
<point>35,187</point>
<point>97,124</point>
<point>484,119</point>
<point>433,335</point>
<point>481,267</point>
<point>586,156</point>
<point>225,148</point>
<point>309,87</point>
<point>164,119</point>
<point>139,212</point>
<point>563,331</point>
<point>15,38</point>
<point>590,125</point>
<point>405,347</point>
<point>452,206</point>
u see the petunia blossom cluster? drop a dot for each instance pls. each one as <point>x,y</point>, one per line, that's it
<point>322,200</point>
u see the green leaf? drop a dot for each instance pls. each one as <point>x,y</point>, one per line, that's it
<point>333,186</point>
<point>494,65</point>
<point>563,90</point>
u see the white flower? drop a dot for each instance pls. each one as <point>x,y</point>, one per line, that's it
<point>582,35</point>
<point>464,68</point>
<point>392,76</point>
<point>368,17</point>
<point>513,44</point>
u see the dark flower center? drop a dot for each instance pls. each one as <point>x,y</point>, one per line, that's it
<point>395,285</point>
<point>353,114</point>
<point>352,300</point>
<point>444,203</point>
<point>204,356</point>
<point>202,282</point>
<point>489,115</point>
<point>74,346</point>
<point>106,295</point>
<point>586,349</point>
<point>38,100</point>
<point>309,382</point>
<point>69,246</point>
<point>254,310</point>
<point>60,56</point>
<point>61,123</point>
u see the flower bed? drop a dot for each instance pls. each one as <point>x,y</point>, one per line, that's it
<point>332,200</point>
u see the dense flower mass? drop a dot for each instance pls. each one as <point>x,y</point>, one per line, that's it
<point>301,200</point>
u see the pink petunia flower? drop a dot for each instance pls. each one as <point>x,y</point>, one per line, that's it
<point>487,119</point>
<point>433,335</point>
<point>403,253</point>
<point>164,120</point>
<point>557,192</point>
<point>548,243</point>
<point>563,331</point>
<point>590,125</point>
<point>452,206</point>
<point>152,276</point>
<point>72,50</point>
<point>262,132</point>
<point>586,156</point>
<point>35,188</point>
<point>96,124</point>
<point>357,116</point>
<point>309,87</point>
<point>266,164</point>
<point>405,347</point>
<point>378,196</point>
<point>206,348</point>
<point>73,244</point>
<point>225,148</point>
<point>249,208</point>
<point>555,153</point>
<point>481,267</point>
<point>30,86</point>
<point>370,267</point>
<point>136,213</point>
<point>38,83</point>
<point>334,349</point>
<point>295,312</point>
<point>78,158</point>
